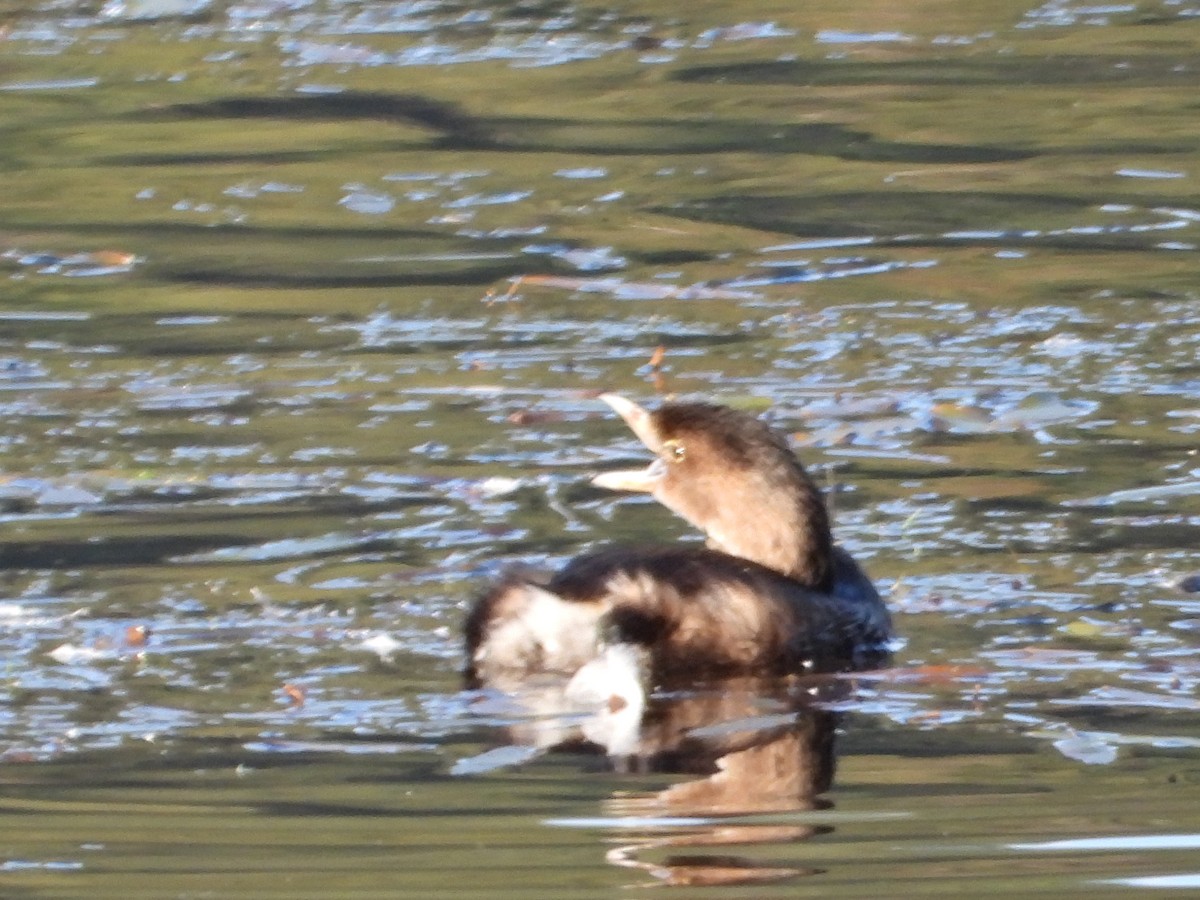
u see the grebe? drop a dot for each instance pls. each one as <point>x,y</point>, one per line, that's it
<point>769,594</point>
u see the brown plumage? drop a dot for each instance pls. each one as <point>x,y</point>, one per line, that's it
<point>770,593</point>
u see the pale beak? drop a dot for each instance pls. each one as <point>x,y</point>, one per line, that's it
<point>639,421</point>
<point>640,480</point>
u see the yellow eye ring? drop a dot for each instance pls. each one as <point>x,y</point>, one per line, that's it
<point>673,451</point>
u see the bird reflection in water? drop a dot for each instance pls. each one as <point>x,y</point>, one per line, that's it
<point>751,751</point>
<point>748,748</point>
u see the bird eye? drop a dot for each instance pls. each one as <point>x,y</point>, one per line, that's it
<point>674,451</point>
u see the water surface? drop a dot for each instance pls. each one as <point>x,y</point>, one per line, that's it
<point>305,309</point>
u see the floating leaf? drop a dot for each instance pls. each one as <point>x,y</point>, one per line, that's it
<point>295,693</point>
<point>112,258</point>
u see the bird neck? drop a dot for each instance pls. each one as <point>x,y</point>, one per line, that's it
<point>788,532</point>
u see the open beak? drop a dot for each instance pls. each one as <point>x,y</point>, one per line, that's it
<point>638,419</point>
<point>641,480</point>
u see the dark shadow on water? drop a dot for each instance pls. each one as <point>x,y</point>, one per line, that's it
<point>633,137</point>
<point>880,213</point>
<point>925,219</point>
<point>610,137</point>
<point>249,234</point>
<point>1050,71</point>
<point>264,158</point>
<point>414,109</point>
<point>119,553</point>
<point>220,275</point>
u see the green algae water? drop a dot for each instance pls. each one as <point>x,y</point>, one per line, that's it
<point>303,311</point>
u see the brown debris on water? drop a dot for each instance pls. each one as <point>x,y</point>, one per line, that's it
<point>295,694</point>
